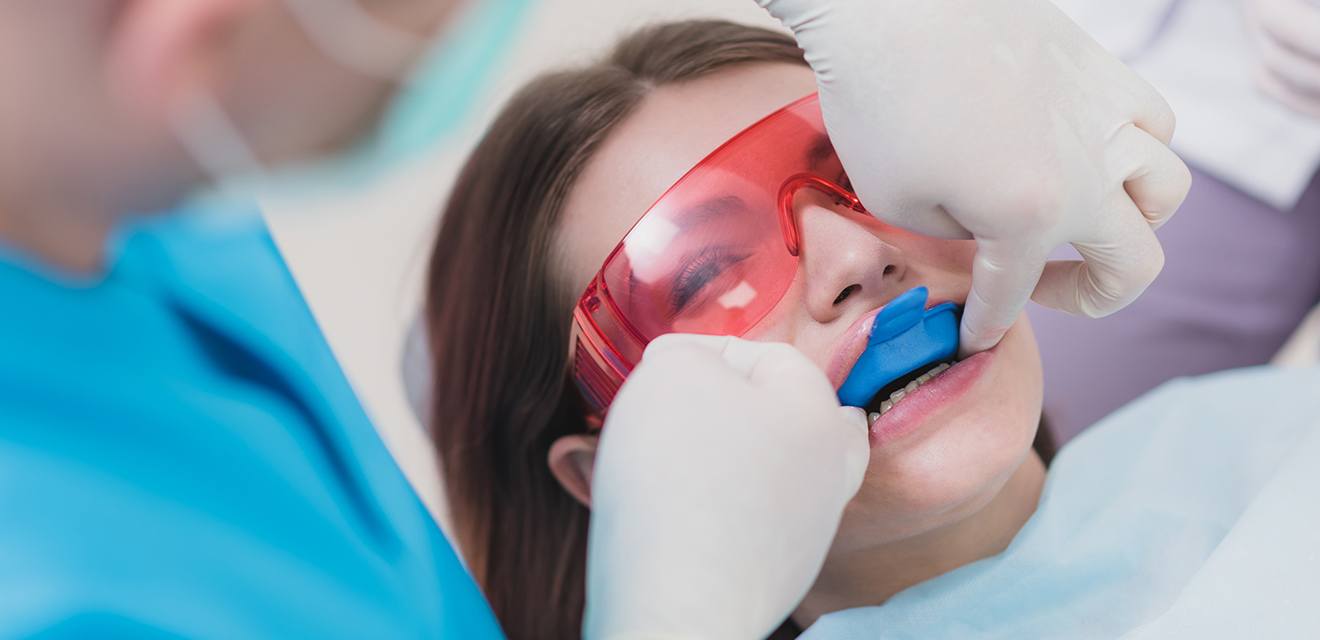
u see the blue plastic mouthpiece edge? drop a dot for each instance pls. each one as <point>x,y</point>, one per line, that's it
<point>905,336</point>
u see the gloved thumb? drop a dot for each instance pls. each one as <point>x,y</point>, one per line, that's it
<point>856,434</point>
<point>1003,276</point>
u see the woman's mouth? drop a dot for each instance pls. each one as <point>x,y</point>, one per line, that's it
<point>905,410</point>
<point>895,392</point>
<point>904,341</point>
<point>908,367</point>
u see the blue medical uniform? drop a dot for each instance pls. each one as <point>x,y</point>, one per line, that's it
<point>180,455</point>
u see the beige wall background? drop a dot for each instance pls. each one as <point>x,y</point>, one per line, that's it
<point>360,258</point>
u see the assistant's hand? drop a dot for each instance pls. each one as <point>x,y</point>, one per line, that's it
<point>722,473</point>
<point>1287,38</point>
<point>1003,121</point>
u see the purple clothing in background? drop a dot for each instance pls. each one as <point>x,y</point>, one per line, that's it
<point>1239,277</point>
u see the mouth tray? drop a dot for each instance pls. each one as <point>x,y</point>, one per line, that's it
<point>905,337</point>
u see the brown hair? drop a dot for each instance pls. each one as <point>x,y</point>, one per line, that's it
<point>498,317</point>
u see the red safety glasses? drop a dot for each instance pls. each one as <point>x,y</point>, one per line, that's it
<point>714,255</point>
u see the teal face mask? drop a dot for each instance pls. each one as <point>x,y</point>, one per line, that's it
<point>432,100</point>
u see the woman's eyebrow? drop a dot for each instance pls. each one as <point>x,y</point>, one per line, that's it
<point>707,210</point>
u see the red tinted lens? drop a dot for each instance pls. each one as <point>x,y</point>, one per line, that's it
<point>710,256</point>
<point>715,254</point>
<point>715,266</point>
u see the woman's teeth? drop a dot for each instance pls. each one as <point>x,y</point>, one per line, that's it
<point>897,396</point>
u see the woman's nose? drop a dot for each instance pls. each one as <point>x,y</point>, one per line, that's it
<point>846,263</point>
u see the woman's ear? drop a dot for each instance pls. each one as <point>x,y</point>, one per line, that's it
<point>158,50</point>
<point>571,460</point>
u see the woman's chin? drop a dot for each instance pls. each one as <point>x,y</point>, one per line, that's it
<point>927,491</point>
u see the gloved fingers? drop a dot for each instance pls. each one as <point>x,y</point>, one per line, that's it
<point>1280,90</point>
<point>1293,25</point>
<point>687,349</point>
<point>1004,274</point>
<point>742,357</point>
<point>772,365</point>
<point>1153,115</point>
<point>1155,178</point>
<point>1292,65</point>
<point>1116,267</point>
<point>678,341</point>
<point>778,368</point>
<point>857,449</point>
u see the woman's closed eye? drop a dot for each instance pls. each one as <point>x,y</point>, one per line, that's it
<point>699,271</point>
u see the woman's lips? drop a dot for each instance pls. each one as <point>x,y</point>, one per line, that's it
<point>852,344</point>
<point>919,406</point>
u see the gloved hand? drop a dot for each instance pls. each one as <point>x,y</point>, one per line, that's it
<point>1003,121</point>
<point>1287,37</point>
<point>722,473</point>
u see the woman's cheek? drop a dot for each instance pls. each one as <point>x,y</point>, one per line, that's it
<point>785,324</point>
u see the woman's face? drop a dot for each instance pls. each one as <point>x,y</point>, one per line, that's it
<point>932,464</point>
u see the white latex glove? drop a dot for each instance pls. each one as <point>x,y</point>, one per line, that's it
<point>722,473</point>
<point>1287,37</point>
<point>1003,121</point>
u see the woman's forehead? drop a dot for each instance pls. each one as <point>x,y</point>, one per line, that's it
<point>671,131</point>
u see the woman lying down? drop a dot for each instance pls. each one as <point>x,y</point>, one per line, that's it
<point>685,184</point>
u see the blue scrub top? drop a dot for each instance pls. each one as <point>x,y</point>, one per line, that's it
<point>180,455</point>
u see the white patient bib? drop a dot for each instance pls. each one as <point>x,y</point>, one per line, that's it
<point>1191,513</point>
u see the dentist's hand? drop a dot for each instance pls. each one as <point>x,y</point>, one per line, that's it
<point>1287,37</point>
<point>1003,121</point>
<point>721,477</point>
